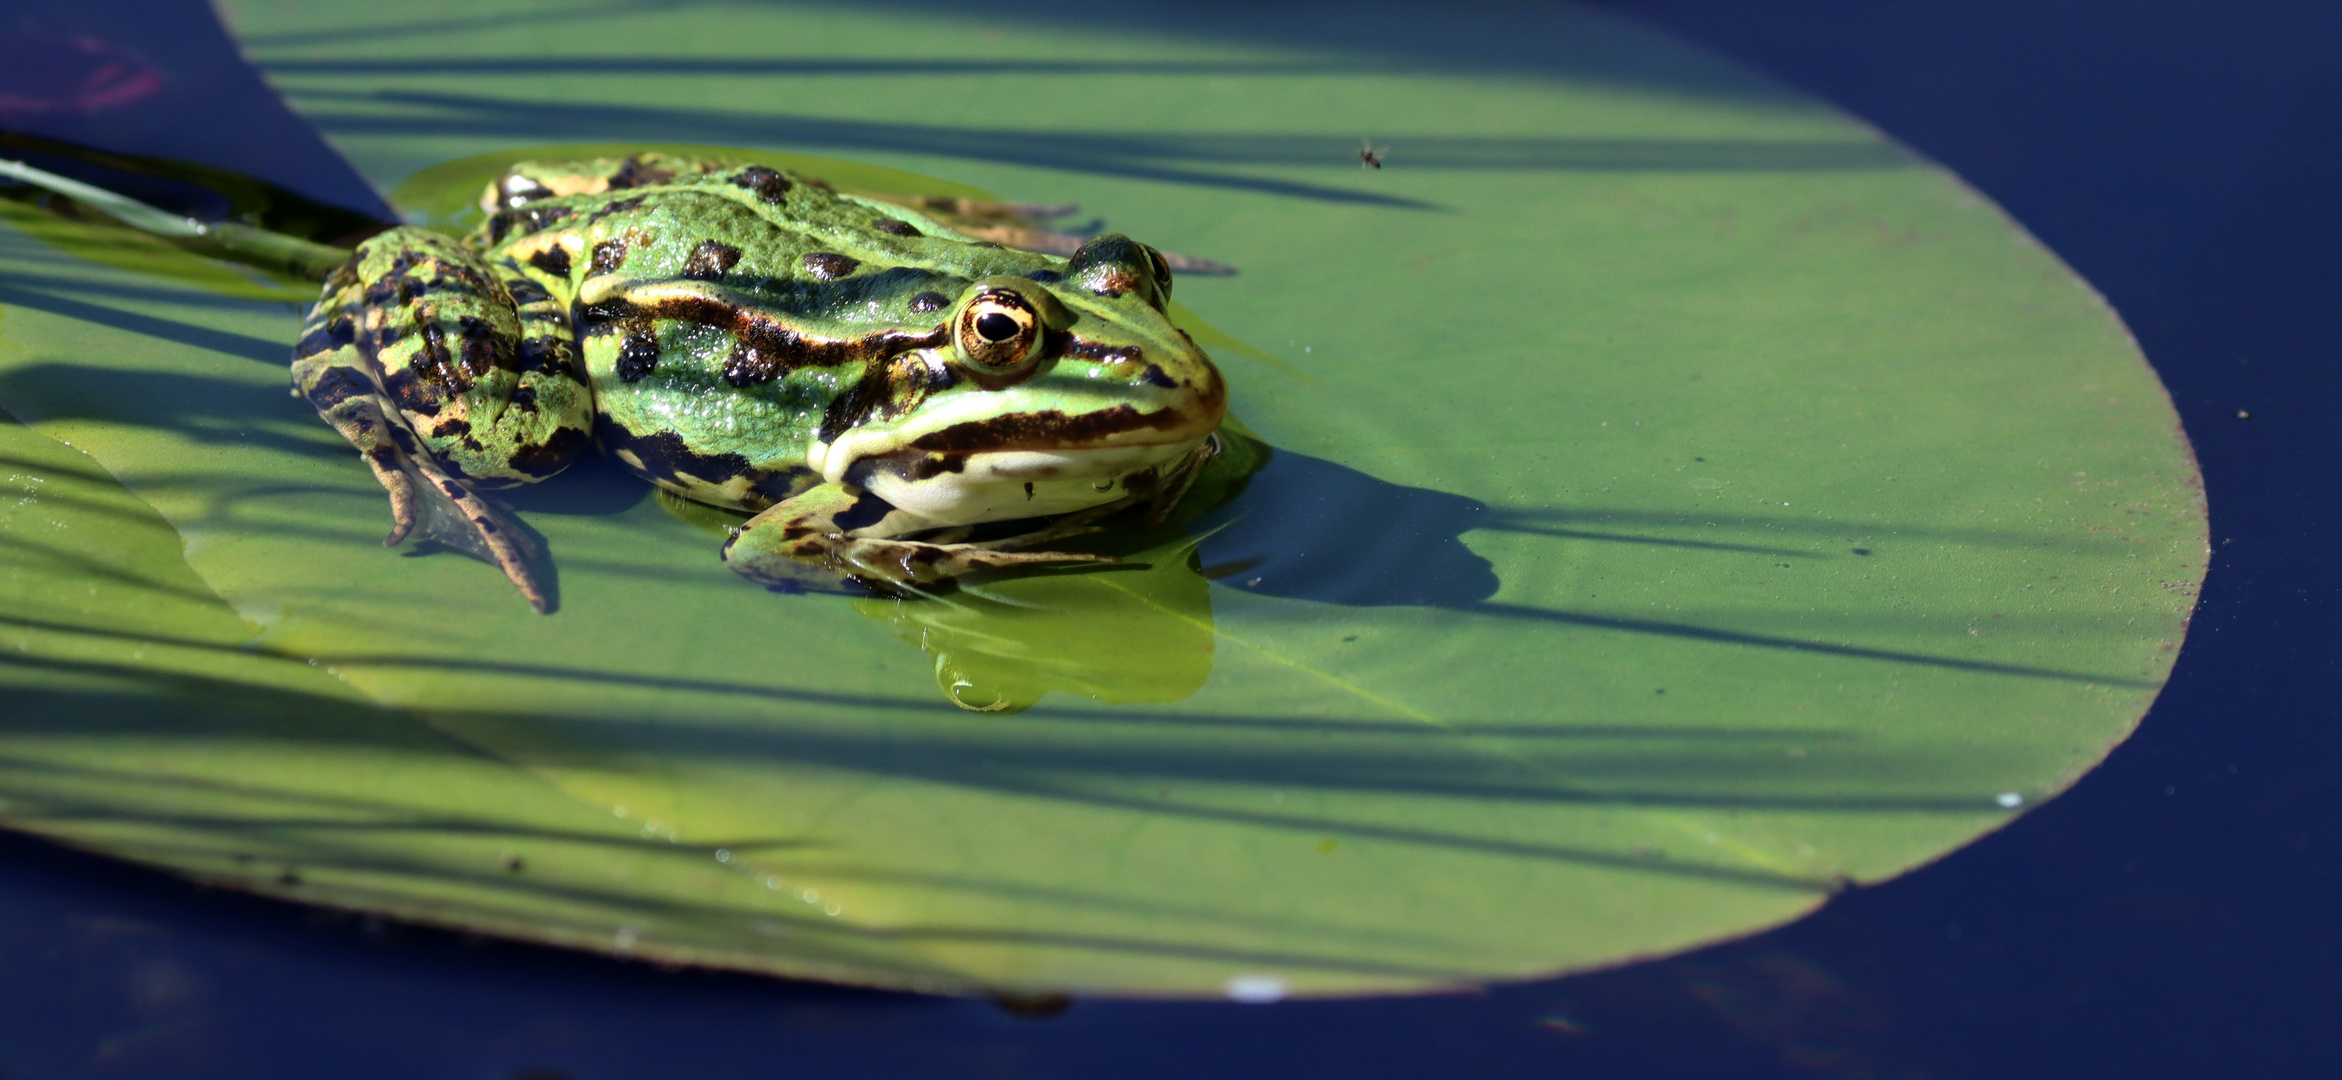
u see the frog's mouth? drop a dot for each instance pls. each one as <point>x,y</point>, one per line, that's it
<point>997,467</point>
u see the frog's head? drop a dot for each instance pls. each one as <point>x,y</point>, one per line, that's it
<point>1051,392</point>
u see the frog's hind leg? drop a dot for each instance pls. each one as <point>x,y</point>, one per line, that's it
<point>417,355</point>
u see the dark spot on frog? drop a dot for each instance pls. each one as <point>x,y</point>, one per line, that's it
<point>483,347</point>
<point>934,465</point>
<point>768,185</point>
<point>895,227</point>
<point>438,364</point>
<point>829,265</point>
<point>336,385</point>
<point>551,456</point>
<point>663,455</point>
<point>618,206</point>
<point>553,260</point>
<point>451,427</point>
<point>1028,491</point>
<point>525,292</point>
<point>485,525</point>
<point>1862,551</point>
<point>929,302</point>
<point>1154,376</point>
<point>411,394</point>
<point>609,255</point>
<point>710,260</point>
<point>514,864</point>
<point>524,398</point>
<point>638,173</point>
<point>544,354</point>
<point>454,490</point>
<point>523,220</point>
<point>339,332</point>
<point>595,318</point>
<point>1046,277</point>
<point>868,510</point>
<point>638,355</point>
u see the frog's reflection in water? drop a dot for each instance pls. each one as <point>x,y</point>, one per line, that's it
<point>1136,635</point>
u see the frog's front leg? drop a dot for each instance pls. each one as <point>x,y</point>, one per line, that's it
<point>848,532</point>
<point>451,377</point>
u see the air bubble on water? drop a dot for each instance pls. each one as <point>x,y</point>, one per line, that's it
<point>2009,800</point>
<point>773,883</point>
<point>832,910</point>
<point>723,856</point>
<point>617,811</point>
<point>1256,989</point>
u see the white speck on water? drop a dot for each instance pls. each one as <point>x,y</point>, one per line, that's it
<point>1256,989</point>
<point>2009,800</point>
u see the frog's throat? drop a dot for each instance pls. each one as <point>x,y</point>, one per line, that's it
<point>975,430</point>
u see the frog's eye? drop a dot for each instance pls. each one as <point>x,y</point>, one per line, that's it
<point>998,329</point>
<point>1113,265</point>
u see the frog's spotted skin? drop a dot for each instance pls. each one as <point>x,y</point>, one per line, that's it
<point>747,337</point>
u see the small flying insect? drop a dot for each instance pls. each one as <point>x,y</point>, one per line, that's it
<point>1370,155</point>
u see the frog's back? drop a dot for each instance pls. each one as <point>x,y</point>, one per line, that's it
<point>730,315</point>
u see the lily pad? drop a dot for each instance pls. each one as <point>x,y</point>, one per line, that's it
<point>1680,502</point>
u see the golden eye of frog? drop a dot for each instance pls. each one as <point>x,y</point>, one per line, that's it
<point>867,382</point>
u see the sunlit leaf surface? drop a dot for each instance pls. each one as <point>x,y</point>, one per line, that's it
<point>1681,501</point>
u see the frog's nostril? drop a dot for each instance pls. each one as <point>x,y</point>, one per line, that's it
<point>994,326</point>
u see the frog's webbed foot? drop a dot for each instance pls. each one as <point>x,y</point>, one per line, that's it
<point>454,515</point>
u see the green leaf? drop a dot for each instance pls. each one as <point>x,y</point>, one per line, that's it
<point>1681,501</point>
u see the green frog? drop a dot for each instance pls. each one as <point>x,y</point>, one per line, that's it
<point>876,388</point>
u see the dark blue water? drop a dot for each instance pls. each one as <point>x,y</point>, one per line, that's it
<point>2176,914</point>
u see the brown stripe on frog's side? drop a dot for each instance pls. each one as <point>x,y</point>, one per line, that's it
<point>1047,428</point>
<point>763,349</point>
<point>1129,360</point>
